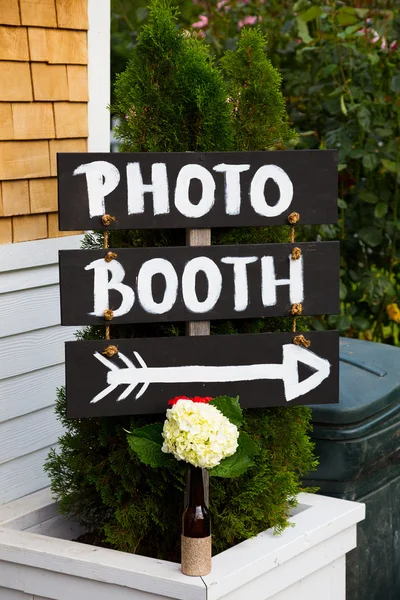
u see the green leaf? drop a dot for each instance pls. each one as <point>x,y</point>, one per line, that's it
<point>343,105</point>
<point>356,153</point>
<point>368,197</point>
<point>346,16</point>
<point>353,275</point>
<point>343,323</point>
<point>371,236</point>
<point>342,291</point>
<point>364,118</point>
<point>303,31</point>
<point>373,58</point>
<point>317,325</point>
<point>395,83</point>
<point>342,167</point>
<point>329,70</point>
<point>370,161</point>
<point>299,5</point>
<point>230,408</point>
<point>376,288</point>
<point>332,320</point>
<point>238,463</point>
<point>360,323</point>
<point>352,28</point>
<point>384,131</point>
<point>309,15</point>
<point>361,12</point>
<point>380,210</point>
<point>390,165</point>
<point>342,203</point>
<point>146,442</point>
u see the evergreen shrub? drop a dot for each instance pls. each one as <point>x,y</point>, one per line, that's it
<point>340,63</point>
<point>170,98</point>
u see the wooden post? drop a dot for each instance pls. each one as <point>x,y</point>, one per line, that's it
<point>196,558</point>
<point>198,237</point>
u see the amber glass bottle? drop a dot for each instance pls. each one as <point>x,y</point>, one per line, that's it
<point>196,525</point>
<point>196,518</point>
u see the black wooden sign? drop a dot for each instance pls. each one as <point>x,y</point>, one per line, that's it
<point>170,190</point>
<point>265,370</point>
<point>198,283</point>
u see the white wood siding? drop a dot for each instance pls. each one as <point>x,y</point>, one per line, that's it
<point>31,362</point>
<point>31,339</point>
<point>7,594</point>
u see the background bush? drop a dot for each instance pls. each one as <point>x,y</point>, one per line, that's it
<point>172,97</point>
<point>340,63</point>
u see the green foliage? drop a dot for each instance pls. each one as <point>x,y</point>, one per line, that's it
<point>171,97</point>
<point>101,482</point>
<point>95,473</point>
<point>340,67</point>
<point>230,408</point>
<point>341,83</point>
<point>238,463</point>
<point>146,442</point>
<point>265,493</point>
<point>255,95</point>
<point>127,18</point>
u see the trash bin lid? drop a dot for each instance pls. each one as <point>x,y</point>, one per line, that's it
<point>369,383</point>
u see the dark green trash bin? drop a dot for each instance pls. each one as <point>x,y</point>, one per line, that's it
<point>358,444</point>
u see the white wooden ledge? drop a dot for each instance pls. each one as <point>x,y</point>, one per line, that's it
<point>306,562</point>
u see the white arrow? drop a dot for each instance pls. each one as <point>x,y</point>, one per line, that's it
<point>287,371</point>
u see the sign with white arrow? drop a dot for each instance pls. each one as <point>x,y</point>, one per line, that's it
<point>264,370</point>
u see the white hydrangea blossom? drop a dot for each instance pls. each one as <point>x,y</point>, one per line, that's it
<point>199,434</point>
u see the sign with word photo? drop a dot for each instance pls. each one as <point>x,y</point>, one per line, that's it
<point>265,369</point>
<point>150,190</point>
<point>198,283</point>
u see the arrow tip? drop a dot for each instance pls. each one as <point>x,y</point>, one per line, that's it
<point>292,356</point>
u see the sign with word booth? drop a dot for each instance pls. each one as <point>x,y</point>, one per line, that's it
<point>199,282</point>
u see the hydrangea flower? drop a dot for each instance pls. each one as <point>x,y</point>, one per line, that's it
<point>199,434</point>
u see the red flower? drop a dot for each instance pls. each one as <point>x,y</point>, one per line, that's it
<point>204,400</point>
<point>175,400</point>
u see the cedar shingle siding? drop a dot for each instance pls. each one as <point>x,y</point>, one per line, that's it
<point>43,109</point>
